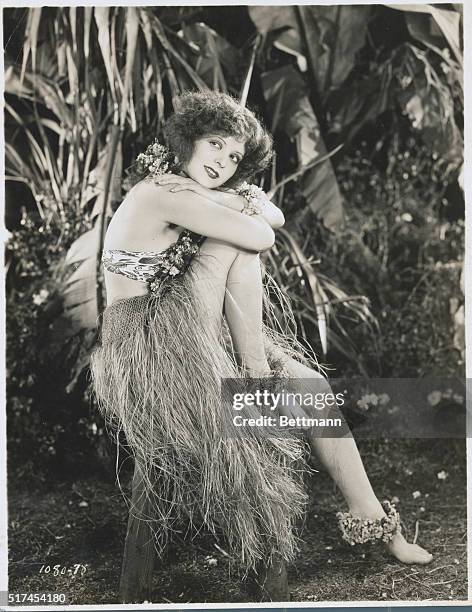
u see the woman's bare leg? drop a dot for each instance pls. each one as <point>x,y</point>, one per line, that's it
<point>339,456</point>
<point>243,313</point>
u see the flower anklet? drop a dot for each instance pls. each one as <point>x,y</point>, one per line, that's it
<point>358,530</point>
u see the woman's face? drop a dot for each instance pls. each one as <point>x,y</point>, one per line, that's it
<point>215,159</point>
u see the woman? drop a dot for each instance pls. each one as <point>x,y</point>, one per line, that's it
<point>165,346</point>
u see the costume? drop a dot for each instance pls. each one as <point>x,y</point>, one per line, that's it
<point>157,376</point>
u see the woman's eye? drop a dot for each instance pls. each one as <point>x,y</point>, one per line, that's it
<point>215,143</point>
<point>235,159</point>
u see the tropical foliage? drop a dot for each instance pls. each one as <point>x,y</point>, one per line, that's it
<point>344,89</point>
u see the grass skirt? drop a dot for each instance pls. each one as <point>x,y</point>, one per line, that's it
<point>157,376</point>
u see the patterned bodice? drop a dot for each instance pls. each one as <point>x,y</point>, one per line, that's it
<point>151,267</point>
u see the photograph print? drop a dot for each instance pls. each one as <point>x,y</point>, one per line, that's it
<point>235,356</point>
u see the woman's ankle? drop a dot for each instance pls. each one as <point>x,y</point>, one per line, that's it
<point>368,510</point>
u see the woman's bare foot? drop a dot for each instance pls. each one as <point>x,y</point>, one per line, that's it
<point>398,547</point>
<point>405,552</point>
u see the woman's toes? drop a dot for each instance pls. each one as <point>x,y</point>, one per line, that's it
<point>408,553</point>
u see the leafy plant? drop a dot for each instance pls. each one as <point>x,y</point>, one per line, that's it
<point>94,82</point>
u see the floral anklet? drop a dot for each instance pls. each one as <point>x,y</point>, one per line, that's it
<point>358,530</point>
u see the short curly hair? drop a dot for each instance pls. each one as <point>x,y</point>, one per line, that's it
<point>198,114</point>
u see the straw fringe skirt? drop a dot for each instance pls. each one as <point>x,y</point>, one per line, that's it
<point>157,376</point>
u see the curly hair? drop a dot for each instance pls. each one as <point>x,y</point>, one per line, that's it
<point>198,114</point>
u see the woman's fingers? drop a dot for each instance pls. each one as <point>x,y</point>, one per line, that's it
<point>173,178</point>
<point>184,187</point>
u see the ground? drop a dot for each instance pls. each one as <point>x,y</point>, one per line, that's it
<point>84,523</point>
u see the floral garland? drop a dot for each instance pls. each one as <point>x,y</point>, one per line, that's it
<point>175,260</point>
<point>357,530</point>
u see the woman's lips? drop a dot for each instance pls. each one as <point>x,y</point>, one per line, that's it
<point>213,174</point>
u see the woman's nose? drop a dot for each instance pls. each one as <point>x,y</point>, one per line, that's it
<point>220,162</point>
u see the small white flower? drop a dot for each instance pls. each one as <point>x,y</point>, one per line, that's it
<point>407,217</point>
<point>395,499</point>
<point>442,475</point>
<point>434,398</point>
<point>384,398</point>
<point>416,494</point>
<point>363,402</point>
<point>41,297</point>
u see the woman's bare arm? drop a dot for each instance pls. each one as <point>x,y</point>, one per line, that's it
<point>268,210</point>
<point>196,213</point>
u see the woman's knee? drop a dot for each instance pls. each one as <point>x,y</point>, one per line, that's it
<point>246,269</point>
<point>296,369</point>
<point>244,260</point>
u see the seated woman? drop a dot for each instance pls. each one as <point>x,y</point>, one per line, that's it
<point>171,296</point>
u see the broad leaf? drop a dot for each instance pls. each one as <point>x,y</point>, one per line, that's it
<point>284,26</point>
<point>80,287</point>
<point>45,91</point>
<point>79,293</point>
<point>132,25</point>
<point>268,18</point>
<point>429,105</point>
<point>102,19</point>
<point>361,102</point>
<point>287,97</point>
<point>447,22</point>
<point>214,55</point>
<point>31,38</point>
<point>333,35</point>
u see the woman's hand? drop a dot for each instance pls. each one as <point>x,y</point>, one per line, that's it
<point>184,183</point>
<point>268,211</point>
<point>228,198</point>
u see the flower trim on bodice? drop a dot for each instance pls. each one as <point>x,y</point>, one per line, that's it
<point>151,267</point>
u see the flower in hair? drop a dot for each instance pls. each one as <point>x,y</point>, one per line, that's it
<point>155,161</point>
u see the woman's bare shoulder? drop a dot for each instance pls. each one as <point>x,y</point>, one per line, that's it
<point>147,194</point>
<point>136,221</point>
